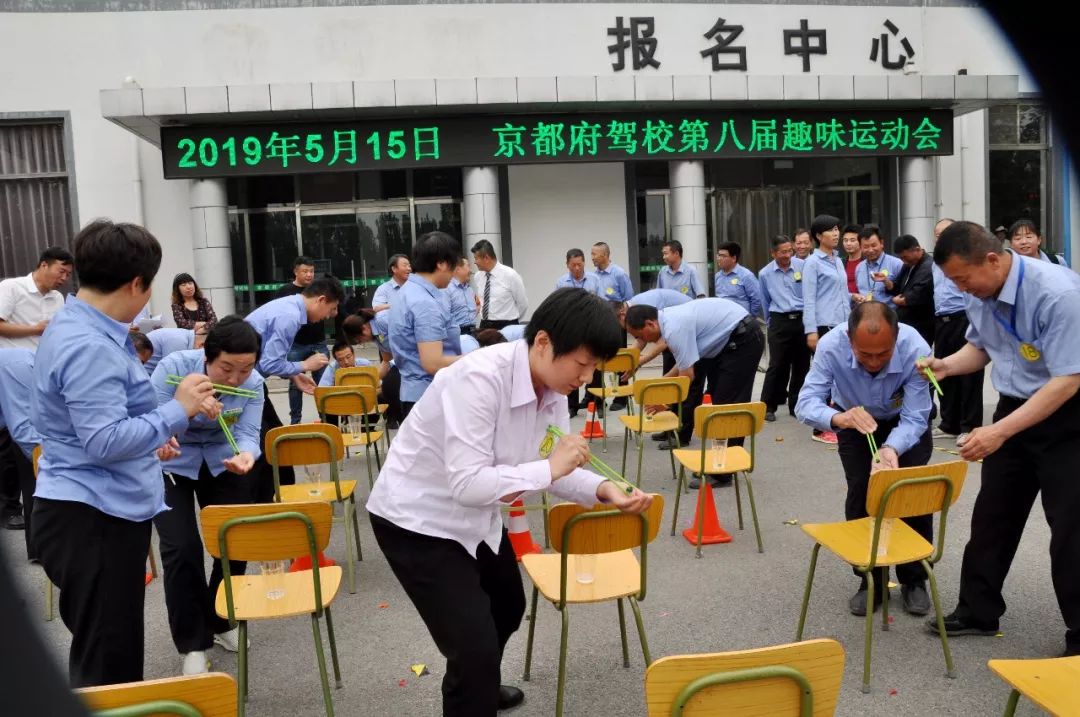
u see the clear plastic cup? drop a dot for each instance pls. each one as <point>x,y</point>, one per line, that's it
<point>274,572</point>
<point>356,427</point>
<point>718,446</point>
<point>585,568</point>
<point>883,537</point>
<point>313,474</point>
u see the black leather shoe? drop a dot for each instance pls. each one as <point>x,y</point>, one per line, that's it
<point>770,416</point>
<point>618,404</point>
<point>510,697</point>
<point>857,603</point>
<point>916,601</point>
<point>662,436</point>
<point>955,626</point>
<point>15,522</point>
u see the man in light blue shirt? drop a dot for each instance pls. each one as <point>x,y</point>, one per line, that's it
<point>16,375</point>
<point>876,272</point>
<point>102,433</point>
<point>1024,315</point>
<point>659,299</point>
<point>868,366</point>
<point>384,296</point>
<point>159,343</point>
<point>675,275</point>
<point>344,357</point>
<point>613,282</point>
<point>734,281</point>
<point>513,332</point>
<point>421,331</point>
<point>782,299</point>
<point>576,277</point>
<point>711,339</point>
<point>463,301</point>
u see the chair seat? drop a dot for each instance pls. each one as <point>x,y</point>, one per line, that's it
<point>251,603</point>
<point>1050,683</point>
<point>663,421</point>
<point>850,541</point>
<point>615,391</point>
<point>361,439</point>
<point>616,575</point>
<point>736,459</point>
<point>303,492</point>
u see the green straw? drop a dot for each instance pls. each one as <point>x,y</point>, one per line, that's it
<point>219,387</point>
<point>228,434</point>
<point>598,465</point>
<point>933,379</point>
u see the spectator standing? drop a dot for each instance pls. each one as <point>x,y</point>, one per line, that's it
<point>190,309</point>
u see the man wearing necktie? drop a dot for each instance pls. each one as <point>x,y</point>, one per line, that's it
<point>503,299</point>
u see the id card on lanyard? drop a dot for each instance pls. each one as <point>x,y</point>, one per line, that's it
<point>1027,350</point>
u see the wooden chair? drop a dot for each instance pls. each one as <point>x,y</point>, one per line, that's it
<point>649,391</point>
<point>608,536</point>
<point>800,678</point>
<point>209,695</point>
<point>365,376</point>
<point>355,400</point>
<point>625,361</point>
<point>1051,683</point>
<point>274,532</point>
<point>309,444</point>
<point>727,421</point>
<point>892,494</point>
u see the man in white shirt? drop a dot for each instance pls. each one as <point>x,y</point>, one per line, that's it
<point>500,289</point>
<point>470,446</point>
<point>26,305</point>
<point>400,268</point>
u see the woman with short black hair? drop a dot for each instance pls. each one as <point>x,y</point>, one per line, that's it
<point>191,310</point>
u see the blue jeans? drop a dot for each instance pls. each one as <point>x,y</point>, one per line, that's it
<point>299,352</point>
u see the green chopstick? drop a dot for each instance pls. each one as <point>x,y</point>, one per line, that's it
<point>219,387</point>
<point>598,465</point>
<point>933,379</point>
<point>228,434</point>
<point>873,447</point>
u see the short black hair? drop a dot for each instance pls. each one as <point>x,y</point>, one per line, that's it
<point>232,335</point>
<point>1021,224</point>
<point>390,265</point>
<point>732,248</point>
<point>904,242</point>
<point>574,254</point>
<point>56,253</point>
<point>575,318</point>
<point>674,245</point>
<point>603,245</point>
<point>303,260</point>
<point>870,230</point>
<point>489,337</point>
<point>821,224</point>
<point>870,310</point>
<point>779,240</point>
<point>141,341</point>
<point>800,230</point>
<point>340,346</point>
<point>327,286</point>
<point>433,248</point>
<point>109,255</point>
<point>483,248</point>
<point>638,314</point>
<point>967,240</point>
<point>850,229</point>
<point>354,323</point>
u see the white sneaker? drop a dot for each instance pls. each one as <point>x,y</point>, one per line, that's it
<point>938,434</point>
<point>195,663</point>
<point>230,640</point>
<point>961,440</point>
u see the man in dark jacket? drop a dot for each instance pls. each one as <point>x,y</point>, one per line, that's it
<point>913,290</point>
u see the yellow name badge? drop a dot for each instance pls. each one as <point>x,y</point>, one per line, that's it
<point>1029,352</point>
<point>610,291</point>
<point>734,282</point>
<point>798,276</point>
<point>685,289</point>
<point>884,272</point>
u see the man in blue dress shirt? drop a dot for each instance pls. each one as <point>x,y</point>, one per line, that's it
<point>868,366</point>
<point>875,274</point>
<point>206,470</point>
<point>736,282</point>
<point>16,375</point>
<point>675,275</point>
<point>613,284</point>
<point>99,477</point>
<point>159,343</point>
<point>463,301</point>
<point>1024,315</point>
<point>384,296</point>
<point>782,300</point>
<point>576,277</point>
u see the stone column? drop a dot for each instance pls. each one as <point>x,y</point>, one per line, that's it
<point>917,200</point>
<point>687,181</point>
<point>210,243</point>
<point>481,208</point>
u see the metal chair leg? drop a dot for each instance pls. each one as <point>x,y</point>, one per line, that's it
<point>640,453</point>
<point>532,628</point>
<point>1010,706</point>
<point>806,592</point>
<point>350,561</point>
<point>356,529</point>
<point>367,461</point>
<point>333,648</point>
<point>678,495</point>
<point>738,499</point>
<point>869,641</point>
<point>603,443</point>
<point>321,657</point>
<point>48,599</point>
<point>641,631</point>
<point>622,633</point>
<point>753,511</point>
<point>950,671</point>
<point>671,457</point>
<point>700,512</point>
<point>378,461</point>
<point>242,669</point>
<point>885,603</point>
<point>625,443</point>
<point>560,692</point>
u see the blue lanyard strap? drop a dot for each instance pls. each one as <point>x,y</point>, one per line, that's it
<point>1011,325</point>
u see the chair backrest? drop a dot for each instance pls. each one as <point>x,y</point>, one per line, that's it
<point>210,695</point>
<point>602,528</point>
<point>357,376</point>
<point>625,360</point>
<point>36,457</point>
<point>729,420</point>
<point>266,531</point>
<point>927,491</point>
<point>650,391</point>
<point>304,444</point>
<point>765,681</point>
<point>357,399</point>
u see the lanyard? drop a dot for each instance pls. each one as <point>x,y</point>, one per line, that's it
<point>1011,326</point>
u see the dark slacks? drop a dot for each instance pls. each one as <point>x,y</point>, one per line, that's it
<point>99,562</point>
<point>496,323</point>
<point>9,479</point>
<point>789,361</point>
<point>471,606</point>
<point>391,395</point>
<point>188,598</point>
<point>855,456</point>
<point>962,399</point>
<point>24,469</point>
<point>1042,458</point>
<point>262,474</point>
<point>299,352</point>
<point>730,376</point>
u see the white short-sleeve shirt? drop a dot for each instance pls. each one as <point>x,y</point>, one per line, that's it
<point>22,303</point>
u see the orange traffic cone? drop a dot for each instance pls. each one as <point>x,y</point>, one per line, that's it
<point>712,532</point>
<point>518,530</point>
<point>706,400</point>
<point>593,429</point>
<point>304,563</point>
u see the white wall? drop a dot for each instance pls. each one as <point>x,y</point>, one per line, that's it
<point>555,207</point>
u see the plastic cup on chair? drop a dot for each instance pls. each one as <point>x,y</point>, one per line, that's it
<point>883,536</point>
<point>274,572</point>
<point>313,474</point>
<point>584,568</point>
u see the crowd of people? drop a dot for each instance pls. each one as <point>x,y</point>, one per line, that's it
<point>129,431</point>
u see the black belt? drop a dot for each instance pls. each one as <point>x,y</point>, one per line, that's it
<point>791,315</point>
<point>949,317</point>
<point>742,329</point>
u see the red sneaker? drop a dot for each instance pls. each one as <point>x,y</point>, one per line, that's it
<point>825,437</point>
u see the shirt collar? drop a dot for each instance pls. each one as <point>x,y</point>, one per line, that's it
<point>607,270</point>
<point>425,284</point>
<point>673,272</point>
<point>522,392</point>
<point>820,254</point>
<point>32,286</point>
<point>1007,295</point>
<point>115,330</point>
<point>776,267</point>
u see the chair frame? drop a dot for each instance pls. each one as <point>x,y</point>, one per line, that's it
<point>719,412</point>
<point>868,571</point>
<point>326,393</point>
<point>366,376</point>
<point>320,611</point>
<point>750,674</point>
<point>562,604</point>
<point>155,707</point>
<point>634,356</point>
<point>348,504</point>
<point>654,386</point>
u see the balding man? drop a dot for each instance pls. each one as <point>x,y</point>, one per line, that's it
<point>867,364</point>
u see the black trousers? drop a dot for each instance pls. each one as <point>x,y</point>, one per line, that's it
<point>1042,458</point>
<point>24,469</point>
<point>391,395</point>
<point>471,606</point>
<point>262,474</point>
<point>962,399</point>
<point>789,361</point>
<point>189,600</point>
<point>496,323</point>
<point>730,375</point>
<point>855,456</point>
<point>99,562</point>
<point>9,479</point>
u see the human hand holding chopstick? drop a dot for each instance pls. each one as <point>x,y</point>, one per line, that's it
<point>858,418</point>
<point>570,453</point>
<point>240,464</point>
<point>192,392</point>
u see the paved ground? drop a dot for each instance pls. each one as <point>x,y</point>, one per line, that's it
<point>731,599</point>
